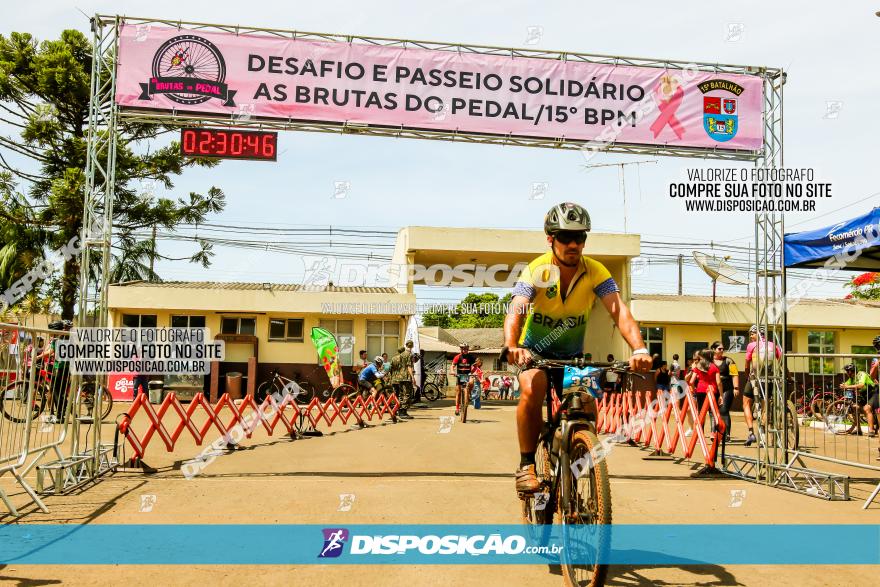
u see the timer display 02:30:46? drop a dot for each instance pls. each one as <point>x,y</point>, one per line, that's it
<point>234,144</point>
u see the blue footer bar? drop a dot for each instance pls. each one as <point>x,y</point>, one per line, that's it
<point>678,545</point>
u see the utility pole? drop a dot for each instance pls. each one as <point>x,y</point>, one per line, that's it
<point>680,266</point>
<point>153,254</point>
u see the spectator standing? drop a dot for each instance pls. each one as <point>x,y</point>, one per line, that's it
<point>662,378</point>
<point>707,377</point>
<point>729,384</point>
<point>676,369</point>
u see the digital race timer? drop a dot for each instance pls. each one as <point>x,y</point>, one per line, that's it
<point>229,143</point>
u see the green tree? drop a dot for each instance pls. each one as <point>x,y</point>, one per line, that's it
<point>473,311</point>
<point>44,95</point>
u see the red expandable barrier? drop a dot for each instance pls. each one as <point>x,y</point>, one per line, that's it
<point>644,418</point>
<point>269,414</point>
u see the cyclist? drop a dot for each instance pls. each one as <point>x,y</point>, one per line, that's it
<point>753,365</point>
<point>874,400</point>
<point>861,387</point>
<point>556,293</point>
<point>463,363</point>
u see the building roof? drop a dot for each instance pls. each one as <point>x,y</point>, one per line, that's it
<point>480,340</point>
<point>740,311</point>
<point>242,286</point>
<point>751,300</point>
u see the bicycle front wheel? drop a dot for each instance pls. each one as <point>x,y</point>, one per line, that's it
<point>584,508</point>
<point>14,402</point>
<point>344,390</point>
<point>431,392</point>
<point>463,404</point>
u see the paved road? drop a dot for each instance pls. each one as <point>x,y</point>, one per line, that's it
<point>411,473</point>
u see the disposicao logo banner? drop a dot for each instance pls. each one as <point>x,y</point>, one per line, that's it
<point>661,544</point>
<point>430,89</point>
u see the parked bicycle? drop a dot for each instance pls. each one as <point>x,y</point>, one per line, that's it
<point>435,383</point>
<point>569,436</point>
<point>279,386</point>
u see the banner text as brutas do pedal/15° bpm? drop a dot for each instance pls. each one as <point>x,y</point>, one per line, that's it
<point>268,77</point>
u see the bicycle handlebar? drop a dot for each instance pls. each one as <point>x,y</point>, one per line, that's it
<point>537,362</point>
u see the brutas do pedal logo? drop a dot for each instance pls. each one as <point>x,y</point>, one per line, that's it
<point>188,69</point>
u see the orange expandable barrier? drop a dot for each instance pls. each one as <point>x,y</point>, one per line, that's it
<point>270,413</point>
<point>643,418</point>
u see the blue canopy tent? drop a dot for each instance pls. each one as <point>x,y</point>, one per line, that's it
<point>858,239</point>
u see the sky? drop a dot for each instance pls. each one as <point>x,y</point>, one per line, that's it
<point>829,55</point>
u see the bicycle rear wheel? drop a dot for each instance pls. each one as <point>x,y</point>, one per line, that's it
<point>838,417</point>
<point>264,389</point>
<point>586,501</point>
<point>431,392</point>
<point>793,424</point>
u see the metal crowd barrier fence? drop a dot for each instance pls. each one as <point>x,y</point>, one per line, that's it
<point>658,420</point>
<point>834,424</point>
<point>35,409</point>
<point>248,415</point>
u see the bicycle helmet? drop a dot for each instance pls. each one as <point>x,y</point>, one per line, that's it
<point>566,216</point>
<point>60,325</point>
<point>877,343</point>
<point>849,367</point>
<point>378,360</point>
<point>464,345</point>
<point>756,329</point>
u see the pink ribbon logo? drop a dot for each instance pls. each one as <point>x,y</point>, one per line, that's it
<point>667,113</point>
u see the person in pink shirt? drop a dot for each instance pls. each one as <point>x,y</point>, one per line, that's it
<point>757,353</point>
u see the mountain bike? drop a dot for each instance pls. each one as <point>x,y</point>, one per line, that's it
<point>569,436</point>
<point>433,389</point>
<point>280,386</point>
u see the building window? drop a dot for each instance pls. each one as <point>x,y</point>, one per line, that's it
<point>286,329</point>
<point>139,320</point>
<point>341,329</point>
<point>653,337</point>
<point>238,325</point>
<point>187,321</point>
<point>735,341</point>
<point>383,336</point>
<point>863,363</point>
<point>821,342</point>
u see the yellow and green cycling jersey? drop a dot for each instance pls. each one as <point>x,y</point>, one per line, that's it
<point>557,321</point>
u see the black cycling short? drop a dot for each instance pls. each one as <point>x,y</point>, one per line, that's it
<point>365,385</point>
<point>874,402</point>
<point>747,390</point>
<point>556,375</point>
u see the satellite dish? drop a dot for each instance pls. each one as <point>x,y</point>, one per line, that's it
<point>719,270</point>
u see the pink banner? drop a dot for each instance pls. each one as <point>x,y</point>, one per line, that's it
<point>334,82</point>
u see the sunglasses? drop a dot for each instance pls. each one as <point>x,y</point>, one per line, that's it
<point>566,237</point>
